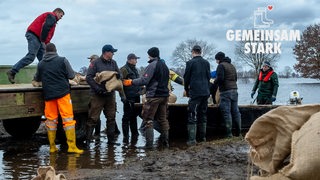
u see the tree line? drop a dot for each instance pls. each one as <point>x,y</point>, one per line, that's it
<point>306,51</point>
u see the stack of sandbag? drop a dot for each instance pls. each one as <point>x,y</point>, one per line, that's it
<point>48,173</point>
<point>77,80</point>
<point>285,131</point>
<point>171,100</point>
<point>112,82</point>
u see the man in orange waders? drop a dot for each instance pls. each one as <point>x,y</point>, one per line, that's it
<point>54,71</point>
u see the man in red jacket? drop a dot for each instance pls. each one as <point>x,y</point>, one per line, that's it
<point>39,33</point>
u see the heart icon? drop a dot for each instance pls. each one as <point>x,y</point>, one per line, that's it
<point>270,7</point>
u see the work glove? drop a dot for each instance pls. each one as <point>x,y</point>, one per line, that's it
<point>273,98</point>
<point>252,94</point>
<point>101,91</point>
<point>118,76</point>
<point>127,82</point>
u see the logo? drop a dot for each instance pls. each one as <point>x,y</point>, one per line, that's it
<point>260,19</point>
<point>260,40</point>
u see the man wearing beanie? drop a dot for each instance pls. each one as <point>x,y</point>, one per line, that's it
<point>155,78</point>
<point>100,99</point>
<point>267,84</point>
<point>196,84</point>
<point>227,82</point>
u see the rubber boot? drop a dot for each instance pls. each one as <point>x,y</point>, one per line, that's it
<point>134,128</point>
<point>52,138</point>
<point>111,133</point>
<point>116,130</point>
<point>149,137</point>
<point>165,138</point>
<point>89,132</point>
<point>71,141</point>
<point>202,128</point>
<point>97,129</point>
<point>192,132</point>
<point>228,128</point>
<point>125,131</point>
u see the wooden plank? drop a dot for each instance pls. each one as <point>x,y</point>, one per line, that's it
<point>23,100</point>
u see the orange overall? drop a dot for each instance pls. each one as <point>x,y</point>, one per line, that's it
<point>64,106</point>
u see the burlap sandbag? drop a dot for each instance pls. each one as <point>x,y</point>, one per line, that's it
<point>48,173</point>
<point>172,98</point>
<point>305,154</point>
<point>112,83</point>
<point>271,134</point>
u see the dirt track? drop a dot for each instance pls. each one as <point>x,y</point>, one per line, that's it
<point>220,159</point>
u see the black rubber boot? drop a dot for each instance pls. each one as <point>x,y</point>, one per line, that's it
<point>134,128</point>
<point>202,128</point>
<point>192,132</point>
<point>165,138</point>
<point>149,138</point>
<point>125,132</point>
<point>89,132</point>
<point>97,129</point>
<point>116,130</point>
<point>111,134</point>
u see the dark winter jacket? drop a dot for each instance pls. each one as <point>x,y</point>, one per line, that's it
<point>43,26</point>
<point>197,77</point>
<point>129,71</point>
<point>54,72</point>
<point>226,75</point>
<point>266,87</point>
<point>156,78</point>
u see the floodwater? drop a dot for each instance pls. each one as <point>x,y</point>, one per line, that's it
<point>20,159</point>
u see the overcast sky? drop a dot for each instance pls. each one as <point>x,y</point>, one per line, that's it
<point>136,25</point>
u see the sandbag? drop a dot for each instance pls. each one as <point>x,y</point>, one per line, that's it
<point>48,172</point>
<point>112,83</point>
<point>172,98</point>
<point>270,135</point>
<point>305,159</point>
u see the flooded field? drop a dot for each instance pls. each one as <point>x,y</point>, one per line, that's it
<point>20,159</point>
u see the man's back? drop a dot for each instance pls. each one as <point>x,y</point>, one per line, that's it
<point>197,76</point>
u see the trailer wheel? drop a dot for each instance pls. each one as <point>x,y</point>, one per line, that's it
<point>22,127</point>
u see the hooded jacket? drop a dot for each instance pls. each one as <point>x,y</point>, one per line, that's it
<point>226,75</point>
<point>156,78</point>
<point>54,72</point>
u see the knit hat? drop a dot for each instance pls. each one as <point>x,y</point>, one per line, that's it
<point>154,52</point>
<point>267,63</point>
<point>219,56</point>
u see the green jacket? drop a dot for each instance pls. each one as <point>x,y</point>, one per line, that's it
<point>267,87</point>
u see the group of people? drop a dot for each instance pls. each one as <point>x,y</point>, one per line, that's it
<point>54,72</point>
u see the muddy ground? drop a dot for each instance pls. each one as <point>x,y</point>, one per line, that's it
<point>217,159</point>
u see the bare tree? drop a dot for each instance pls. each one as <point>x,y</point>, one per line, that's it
<point>307,53</point>
<point>287,72</point>
<point>252,59</point>
<point>182,53</point>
